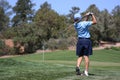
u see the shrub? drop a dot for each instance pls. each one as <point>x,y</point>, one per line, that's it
<point>115,48</point>
<point>9,50</point>
<point>72,41</point>
<point>62,44</point>
<point>5,50</point>
<point>30,47</point>
<point>2,47</point>
<point>53,44</point>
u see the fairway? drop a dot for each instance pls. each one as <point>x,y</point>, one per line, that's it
<point>60,65</point>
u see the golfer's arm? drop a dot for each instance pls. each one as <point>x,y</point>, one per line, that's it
<point>86,18</point>
<point>93,19</point>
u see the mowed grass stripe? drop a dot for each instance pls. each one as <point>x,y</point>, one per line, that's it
<point>60,65</point>
<point>93,63</point>
<point>65,55</point>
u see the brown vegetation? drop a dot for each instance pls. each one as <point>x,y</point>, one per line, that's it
<point>10,43</point>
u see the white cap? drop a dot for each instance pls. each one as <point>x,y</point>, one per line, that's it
<point>77,16</point>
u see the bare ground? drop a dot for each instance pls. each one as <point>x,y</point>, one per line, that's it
<point>103,46</point>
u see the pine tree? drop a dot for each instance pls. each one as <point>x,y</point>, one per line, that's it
<point>3,18</point>
<point>4,14</point>
<point>23,12</point>
<point>49,21</point>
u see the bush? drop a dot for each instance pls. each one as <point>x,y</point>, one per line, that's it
<point>9,50</point>
<point>115,48</point>
<point>62,44</point>
<point>72,41</point>
<point>5,50</point>
<point>2,47</point>
<point>53,44</point>
<point>30,47</point>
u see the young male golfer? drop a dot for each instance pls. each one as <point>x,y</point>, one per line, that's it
<point>84,45</point>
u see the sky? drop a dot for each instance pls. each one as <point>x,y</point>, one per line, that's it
<point>63,6</point>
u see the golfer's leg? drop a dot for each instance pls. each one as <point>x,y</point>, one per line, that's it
<point>86,62</point>
<point>79,60</point>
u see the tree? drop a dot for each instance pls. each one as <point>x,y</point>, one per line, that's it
<point>116,17</point>
<point>23,12</point>
<point>116,23</point>
<point>49,21</point>
<point>105,22</point>
<point>3,19</point>
<point>26,36</point>
<point>71,14</point>
<point>6,7</point>
<point>4,14</point>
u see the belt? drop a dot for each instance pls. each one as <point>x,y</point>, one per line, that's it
<point>83,38</point>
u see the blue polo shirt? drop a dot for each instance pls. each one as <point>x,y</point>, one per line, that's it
<point>82,28</point>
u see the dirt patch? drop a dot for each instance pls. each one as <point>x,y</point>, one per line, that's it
<point>107,45</point>
<point>8,56</point>
<point>103,46</point>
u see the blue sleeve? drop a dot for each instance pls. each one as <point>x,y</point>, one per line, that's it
<point>88,23</point>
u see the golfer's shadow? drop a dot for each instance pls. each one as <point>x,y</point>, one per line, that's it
<point>91,74</point>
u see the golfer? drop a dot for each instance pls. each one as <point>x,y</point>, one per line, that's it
<point>84,45</point>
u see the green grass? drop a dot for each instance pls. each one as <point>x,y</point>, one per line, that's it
<point>60,65</point>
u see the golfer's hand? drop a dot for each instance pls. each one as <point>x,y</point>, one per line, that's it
<point>89,13</point>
